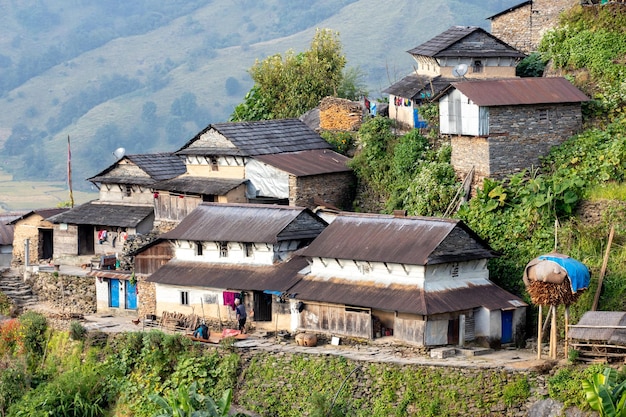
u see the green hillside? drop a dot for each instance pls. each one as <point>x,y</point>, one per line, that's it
<point>148,75</point>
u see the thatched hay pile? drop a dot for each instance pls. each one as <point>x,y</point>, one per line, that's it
<point>340,114</point>
<point>546,293</point>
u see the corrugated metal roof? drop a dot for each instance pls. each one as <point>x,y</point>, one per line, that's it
<point>601,318</point>
<point>94,213</point>
<point>412,86</point>
<point>258,223</point>
<point>199,185</point>
<point>111,274</point>
<point>304,163</point>
<point>258,138</point>
<point>452,43</point>
<point>158,166</point>
<point>277,277</point>
<point>407,240</point>
<point>404,298</point>
<point>518,91</point>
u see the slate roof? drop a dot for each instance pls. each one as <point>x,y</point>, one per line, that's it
<point>44,213</point>
<point>277,277</point>
<point>518,91</point>
<point>412,86</point>
<point>100,214</point>
<point>405,240</point>
<point>404,298</point>
<point>257,138</point>
<point>158,166</point>
<point>305,163</point>
<point>7,227</point>
<point>258,223</point>
<point>510,9</point>
<point>448,44</point>
<point>199,185</point>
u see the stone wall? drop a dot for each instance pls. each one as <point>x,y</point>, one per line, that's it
<point>335,189</point>
<point>146,297</point>
<point>514,28</point>
<point>67,293</point>
<point>524,27</point>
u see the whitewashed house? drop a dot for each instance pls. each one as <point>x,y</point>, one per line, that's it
<point>223,251</point>
<point>422,280</point>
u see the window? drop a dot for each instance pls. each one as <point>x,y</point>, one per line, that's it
<point>199,248</point>
<point>214,166</point>
<point>223,249</point>
<point>542,114</point>
<point>478,66</point>
<point>455,270</point>
<point>184,298</point>
<point>129,190</point>
<point>248,250</point>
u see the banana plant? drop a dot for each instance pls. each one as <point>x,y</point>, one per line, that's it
<point>187,402</point>
<point>605,395</point>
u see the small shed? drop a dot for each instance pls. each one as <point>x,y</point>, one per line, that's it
<point>600,335</point>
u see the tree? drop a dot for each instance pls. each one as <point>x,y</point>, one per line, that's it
<point>290,86</point>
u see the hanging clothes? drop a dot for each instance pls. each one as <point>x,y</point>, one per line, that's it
<point>102,236</point>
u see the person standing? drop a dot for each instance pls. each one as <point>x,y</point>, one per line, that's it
<point>241,315</point>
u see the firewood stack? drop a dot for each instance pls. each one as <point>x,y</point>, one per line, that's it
<point>340,114</point>
<point>546,293</point>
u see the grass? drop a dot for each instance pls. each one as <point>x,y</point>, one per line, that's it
<point>608,191</point>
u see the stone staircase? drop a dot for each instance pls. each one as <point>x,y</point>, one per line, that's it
<point>14,287</point>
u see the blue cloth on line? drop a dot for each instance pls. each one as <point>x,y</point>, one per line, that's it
<point>577,272</point>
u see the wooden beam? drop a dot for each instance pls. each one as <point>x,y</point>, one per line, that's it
<point>539,331</point>
<point>603,271</point>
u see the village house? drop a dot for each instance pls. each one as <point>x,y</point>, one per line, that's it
<point>34,228</point>
<point>500,127</point>
<point>461,52</point>
<point>283,162</point>
<point>7,230</point>
<point>423,280</point>
<point>223,251</point>
<point>523,25</point>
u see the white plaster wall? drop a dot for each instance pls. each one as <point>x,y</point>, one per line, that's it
<point>377,272</point>
<point>227,166</point>
<point>456,275</point>
<point>102,295</point>
<point>403,114</point>
<point>481,322</point>
<point>262,254</point>
<point>202,301</point>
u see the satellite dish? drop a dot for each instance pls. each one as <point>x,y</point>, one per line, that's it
<point>460,70</point>
<point>119,153</point>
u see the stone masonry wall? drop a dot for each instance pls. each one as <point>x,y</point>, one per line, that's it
<point>514,28</point>
<point>146,297</point>
<point>335,189</point>
<point>67,293</point>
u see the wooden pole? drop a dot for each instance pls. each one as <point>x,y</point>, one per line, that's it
<point>566,331</point>
<point>539,331</point>
<point>603,270</point>
<point>553,334</point>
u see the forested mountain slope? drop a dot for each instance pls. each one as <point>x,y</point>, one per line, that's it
<point>148,75</point>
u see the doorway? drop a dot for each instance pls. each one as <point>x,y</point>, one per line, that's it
<point>262,306</point>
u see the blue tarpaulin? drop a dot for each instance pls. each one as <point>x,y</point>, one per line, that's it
<point>577,272</point>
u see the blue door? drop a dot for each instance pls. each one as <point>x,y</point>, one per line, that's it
<point>131,295</point>
<point>114,292</point>
<point>507,326</point>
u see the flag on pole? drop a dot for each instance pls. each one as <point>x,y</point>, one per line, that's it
<point>69,171</point>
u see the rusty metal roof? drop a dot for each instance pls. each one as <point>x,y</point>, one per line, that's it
<point>277,277</point>
<point>199,185</point>
<point>595,319</point>
<point>157,166</point>
<point>257,138</point>
<point>100,214</point>
<point>408,240</point>
<point>466,41</point>
<point>404,298</point>
<point>258,223</point>
<point>305,163</point>
<point>519,91</point>
<point>111,274</point>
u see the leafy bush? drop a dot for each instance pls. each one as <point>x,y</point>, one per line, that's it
<point>341,142</point>
<point>77,330</point>
<point>34,327</point>
<point>14,382</point>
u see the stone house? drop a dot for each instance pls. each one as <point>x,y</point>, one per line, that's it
<point>35,228</point>
<point>125,207</point>
<point>461,52</point>
<point>500,127</point>
<point>223,251</point>
<point>422,280</point>
<point>278,159</point>
<point>523,25</point>
<point>7,229</point>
